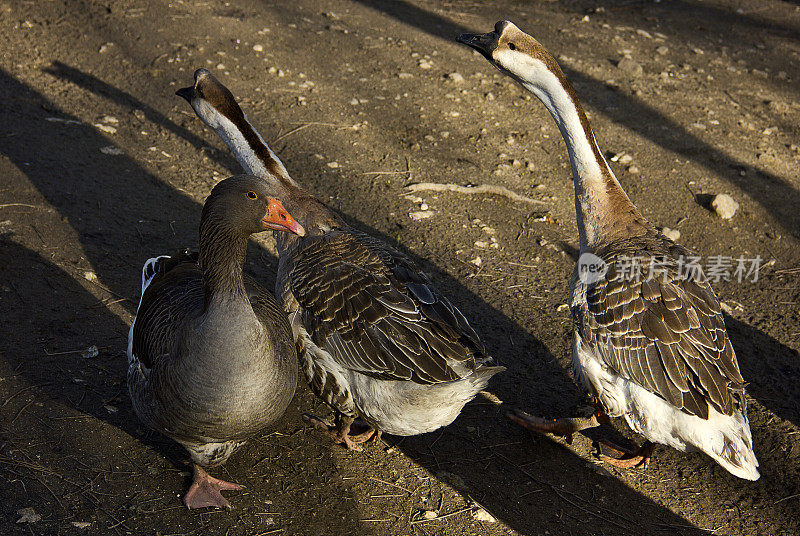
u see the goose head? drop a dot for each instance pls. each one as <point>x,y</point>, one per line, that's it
<point>211,100</point>
<point>513,52</point>
<point>250,204</point>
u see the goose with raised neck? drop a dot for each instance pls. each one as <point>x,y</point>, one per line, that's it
<point>211,360</point>
<point>376,339</point>
<point>652,350</point>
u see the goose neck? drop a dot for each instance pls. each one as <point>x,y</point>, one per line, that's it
<point>247,145</point>
<point>222,255</point>
<point>602,207</point>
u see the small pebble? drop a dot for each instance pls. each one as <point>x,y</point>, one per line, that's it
<point>110,149</point>
<point>29,515</point>
<point>258,48</point>
<point>456,77</point>
<point>90,276</point>
<point>476,261</point>
<point>333,165</point>
<point>405,75</point>
<point>724,205</point>
<point>672,234</point>
<point>106,128</point>
<point>627,65</point>
<point>482,515</point>
<point>430,514</point>
<point>420,214</point>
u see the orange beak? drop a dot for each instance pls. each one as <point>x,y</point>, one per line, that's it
<point>279,219</point>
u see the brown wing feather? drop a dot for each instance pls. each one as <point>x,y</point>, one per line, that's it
<point>375,313</point>
<point>666,333</point>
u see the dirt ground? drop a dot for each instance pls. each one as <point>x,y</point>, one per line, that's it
<point>101,167</point>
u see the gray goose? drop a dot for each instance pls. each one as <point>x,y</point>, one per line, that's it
<point>652,349</point>
<point>211,361</point>
<point>375,338</point>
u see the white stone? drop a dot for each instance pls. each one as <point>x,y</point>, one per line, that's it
<point>29,515</point>
<point>456,77</point>
<point>258,48</point>
<point>672,234</point>
<point>724,205</point>
<point>482,515</point>
<point>106,128</point>
<point>420,214</point>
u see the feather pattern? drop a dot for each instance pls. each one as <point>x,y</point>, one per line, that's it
<point>377,315</point>
<point>665,332</point>
<point>375,338</point>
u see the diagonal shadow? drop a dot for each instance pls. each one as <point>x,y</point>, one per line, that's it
<point>774,193</point>
<point>99,87</point>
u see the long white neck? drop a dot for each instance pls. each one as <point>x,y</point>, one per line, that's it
<point>244,141</point>
<point>601,205</point>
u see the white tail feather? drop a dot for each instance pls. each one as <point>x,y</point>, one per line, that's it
<point>149,271</point>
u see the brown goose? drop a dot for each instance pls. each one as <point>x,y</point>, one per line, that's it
<point>211,361</point>
<point>654,348</point>
<point>375,338</point>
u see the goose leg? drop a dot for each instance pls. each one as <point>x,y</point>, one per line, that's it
<point>205,491</point>
<point>340,433</point>
<point>371,435</point>
<point>563,427</point>
<point>628,458</point>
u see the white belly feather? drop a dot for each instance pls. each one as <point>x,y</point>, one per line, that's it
<point>725,438</point>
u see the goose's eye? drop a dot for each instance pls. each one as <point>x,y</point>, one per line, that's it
<point>252,195</point>
<point>512,46</point>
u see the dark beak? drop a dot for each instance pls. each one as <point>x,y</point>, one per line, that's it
<point>483,43</point>
<point>187,93</point>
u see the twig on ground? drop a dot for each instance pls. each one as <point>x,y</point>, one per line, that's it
<point>491,189</point>
<point>390,484</point>
<point>437,518</point>
<point>306,125</point>
<point>17,205</point>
